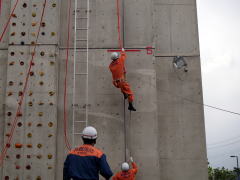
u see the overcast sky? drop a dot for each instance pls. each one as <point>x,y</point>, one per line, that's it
<point>219,31</point>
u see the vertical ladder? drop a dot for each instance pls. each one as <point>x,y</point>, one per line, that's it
<point>81,49</point>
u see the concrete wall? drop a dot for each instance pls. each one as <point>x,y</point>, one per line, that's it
<point>165,136</point>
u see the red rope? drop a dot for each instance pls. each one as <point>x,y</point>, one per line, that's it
<point>8,21</point>
<point>7,146</point>
<point>119,27</point>
<point>65,81</point>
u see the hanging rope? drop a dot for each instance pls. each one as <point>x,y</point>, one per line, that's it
<point>65,79</point>
<point>125,129</point>
<point>8,21</point>
<point>18,113</point>
<point>119,26</point>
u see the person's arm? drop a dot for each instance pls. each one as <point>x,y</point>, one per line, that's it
<point>134,166</point>
<point>123,55</point>
<point>65,169</point>
<point>105,170</point>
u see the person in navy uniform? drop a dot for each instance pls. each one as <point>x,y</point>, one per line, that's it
<point>86,162</point>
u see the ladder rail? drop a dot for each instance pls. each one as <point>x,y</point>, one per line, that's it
<point>74,72</point>
<point>85,49</point>
<point>88,21</point>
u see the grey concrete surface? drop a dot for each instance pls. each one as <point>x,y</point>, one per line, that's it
<point>3,69</point>
<point>165,136</point>
<point>181,127</point>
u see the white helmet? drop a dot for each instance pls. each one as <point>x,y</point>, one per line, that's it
<point>125,166</point>
<point>114,56</point>
<point>89,133</point>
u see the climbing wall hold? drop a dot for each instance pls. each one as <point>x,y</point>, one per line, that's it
<point>31,73</point>
<point>53,33</point>
<point>30,103</point>
<point>19,114</point>
<point>29,146</point>
<point>10,93</point>
<point>18,145</point>
<point>42,53</point>
<point>39,125</point>
<point>51,93</point>
<point>43,24</point>
<point>39,146</point>
<point>24,5</point>
<point>10,83</point>
<point>40,103</point>
<point>39,156</point>
<point>50,156</point>
<point>50,124</point>
<point>41,73</point>
<point>34,24</point>
<point>40,114</point>
<point>28,167</point>
<point>11,63</point>
<point>20,93</point>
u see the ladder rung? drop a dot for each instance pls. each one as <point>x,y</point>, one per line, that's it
<point>81,39</point>
<point>82,18</point>
<point>82,28</point>
<point>81,73</point>
<point>79,121</point>
<point>81,50</point>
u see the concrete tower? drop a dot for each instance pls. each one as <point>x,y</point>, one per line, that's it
<point>166,136</point>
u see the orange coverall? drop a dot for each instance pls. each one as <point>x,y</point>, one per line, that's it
<point>118,70</point>
<point>127,175</point>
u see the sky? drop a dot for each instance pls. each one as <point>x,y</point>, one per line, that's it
<point>219,34</point>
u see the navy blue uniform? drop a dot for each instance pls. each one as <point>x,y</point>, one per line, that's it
<point>85,163</point>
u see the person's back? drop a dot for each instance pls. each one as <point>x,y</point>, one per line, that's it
<point>85,163</point>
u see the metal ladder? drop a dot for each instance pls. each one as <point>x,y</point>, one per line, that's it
<point>81,47</point>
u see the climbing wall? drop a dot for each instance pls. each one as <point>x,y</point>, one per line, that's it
<point>32,152</point>
<point>165,136</point>
<point>3,70</point>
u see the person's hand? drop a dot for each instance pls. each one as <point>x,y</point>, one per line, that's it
<point>123,49</point>
<point>131,159</point>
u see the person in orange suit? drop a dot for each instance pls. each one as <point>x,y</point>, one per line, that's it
<point>126,173</point>
<point>117,67</point>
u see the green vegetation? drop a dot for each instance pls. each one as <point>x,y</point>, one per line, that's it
<point>222,174</point>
